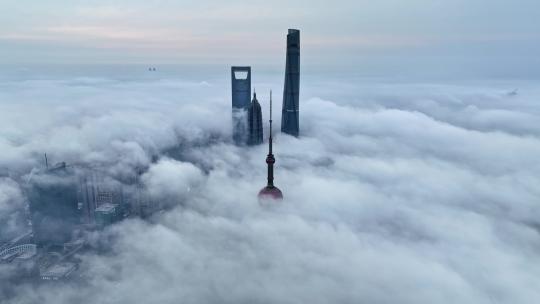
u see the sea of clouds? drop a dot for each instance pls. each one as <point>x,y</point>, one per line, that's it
<point>396,192</point>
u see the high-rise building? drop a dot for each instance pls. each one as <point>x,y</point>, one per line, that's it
<point>270,192</point>
<point>107,214</point>
<point>291,91</point>
<point>241,92</point>
<point>87,198</point>
<point>95,190</point>
<point>255,127</point>
<point>54,205</point>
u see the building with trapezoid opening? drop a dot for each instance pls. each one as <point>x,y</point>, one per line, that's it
<point>241,93</point>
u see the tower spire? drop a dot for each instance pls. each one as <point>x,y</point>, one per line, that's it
<point>270,138</point>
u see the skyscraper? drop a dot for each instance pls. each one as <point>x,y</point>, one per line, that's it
<point>95,190</point>
<point>54,205</point>
<point>291,91</point>
<point>270,192</point>
<point>255,127</point>
<point>241,91</point>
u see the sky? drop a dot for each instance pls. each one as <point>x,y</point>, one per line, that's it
<point>485,38</point>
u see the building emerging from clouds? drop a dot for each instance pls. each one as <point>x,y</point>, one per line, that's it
<point>94,192</point>
<point>54,205</point>
<point>255,127</point>
<point>241,92</point>
<point>291,91</point>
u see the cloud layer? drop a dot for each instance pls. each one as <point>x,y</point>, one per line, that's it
<point>396,192</point>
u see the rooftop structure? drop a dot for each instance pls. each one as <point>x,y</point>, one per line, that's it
<point>23,260</point>
<point>270,192</point>
<point>291,91</point>
<point>18,240</point>
<point>107,214</point>
<point>106,208</point>
<point>60,271</point>
<point>24,251</point>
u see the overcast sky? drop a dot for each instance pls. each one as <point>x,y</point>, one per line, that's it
<point>492,35</point>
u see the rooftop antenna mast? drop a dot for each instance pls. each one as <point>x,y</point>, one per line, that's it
<point>270,139</point>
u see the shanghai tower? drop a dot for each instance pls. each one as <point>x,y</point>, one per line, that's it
<point>291,91</point>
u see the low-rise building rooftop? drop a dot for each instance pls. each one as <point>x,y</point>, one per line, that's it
<point>58,271</point>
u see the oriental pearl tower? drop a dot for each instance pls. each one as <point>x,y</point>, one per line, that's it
<point>270,192</point>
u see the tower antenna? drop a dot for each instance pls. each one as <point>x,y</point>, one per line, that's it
<point>270,138</point>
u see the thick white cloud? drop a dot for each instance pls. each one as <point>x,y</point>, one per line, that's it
<point>396,192</point>
<point>170,179</point>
